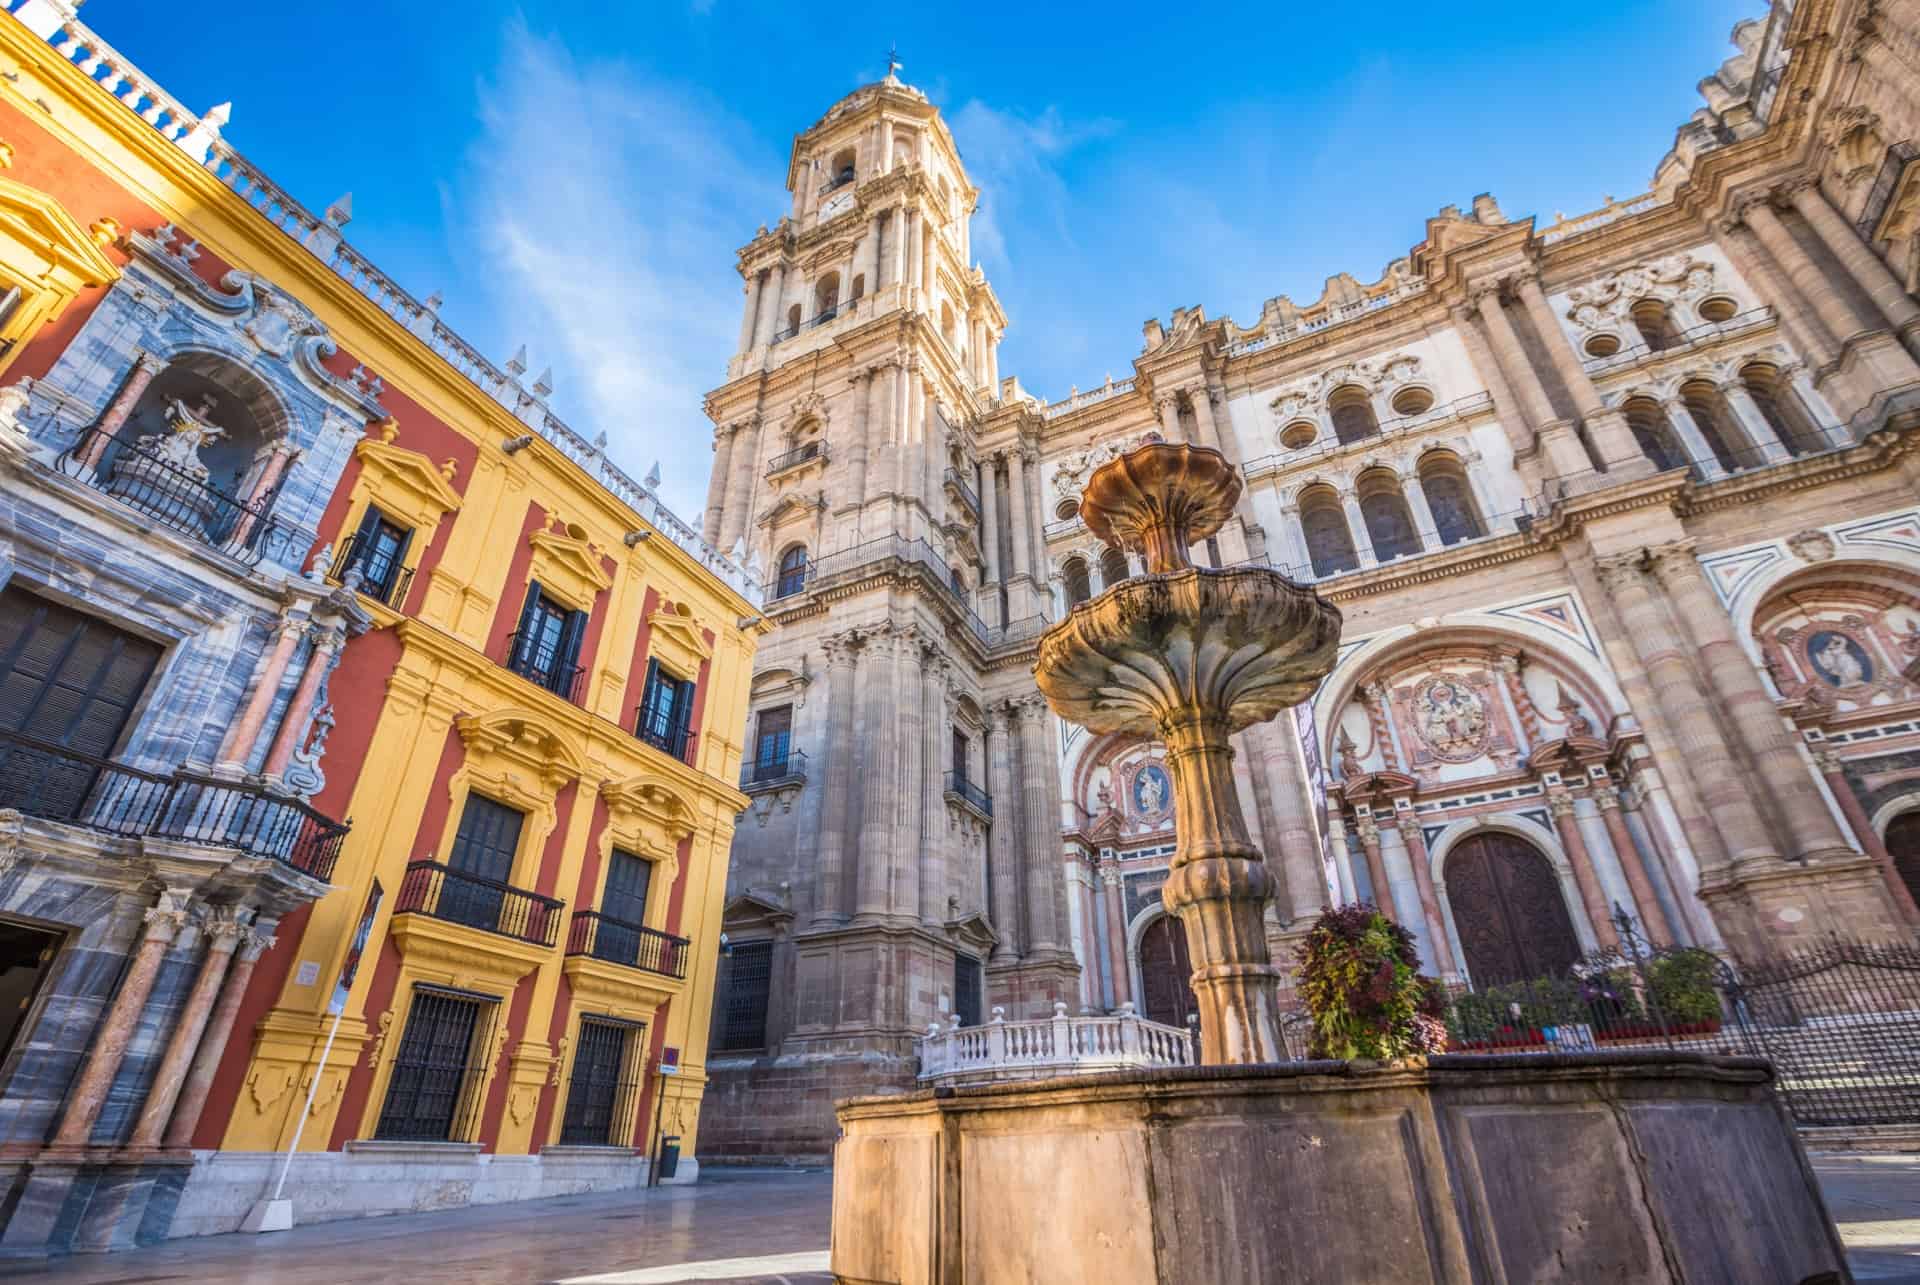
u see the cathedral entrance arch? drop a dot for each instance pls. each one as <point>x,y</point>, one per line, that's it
<point>1509,915</point>
<point>1166,972</point>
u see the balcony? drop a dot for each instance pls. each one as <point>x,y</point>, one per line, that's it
<point>957,485</point>
<point>796,457</point>
<point>139,471</point>
<point>820,318</point>
<point>674,742</point>
<point>390,592</point>
<point>614,941</point>
<point>43,780</point>
<point>438,891</point>
<point>965,792</point>
<point>771,773</point>
<point>543,671</point>
<point>1049,1047</point>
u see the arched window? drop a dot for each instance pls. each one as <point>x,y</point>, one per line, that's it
<point>1714,418</point>
<point>1443,480</point>
<point>858,290</point>
<point>1780,408</point>
<point>1649,426</point>
<point>1352,412</point>
<point>1384,509</point>
<point>1655,324</point>
<point>949,329</point>
<point>826,297</point>
<point>793,571</point>
<point>793,322</point>
<point>1113,567</point>
<point>840,169</point>
<point>1324,522</point>
<point>1079,587</point>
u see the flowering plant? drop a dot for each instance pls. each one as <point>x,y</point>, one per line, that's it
<point>1360,977</point>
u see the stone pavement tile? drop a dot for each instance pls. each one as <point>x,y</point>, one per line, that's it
<point>728,1214</point>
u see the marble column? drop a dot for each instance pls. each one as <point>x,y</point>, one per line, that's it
<point>1599,916</point>
<point>250,945</point>
<point>223,931</point>
<point>1866,268</point>
<point>1721,785</point>
<point>1687,429</point>
<point>1349,890</point>
<point>261,492</point>
<point>1870,841</point>
<point>1736,684</point>
<point>723,435</point>
<point>1017,509</point>
<point>299,713</point>
<point>832,902</point>
<point>1116,943</point>
<point>239,743</point>
<point>88,1093</point>
<point>1422,862</point>
<point>1380,886</point>
<point>880,772</point>
<point>1002,856</point>
<point>1753,423</point>
<point>1653,917</point>
<point>1565,456</point>
<point>114,418</point>
<point>1607,430</point>
<point>1040,826</point>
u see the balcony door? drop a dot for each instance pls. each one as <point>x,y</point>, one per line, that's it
<point>773,735</point>
<point>67,680</point>
<point>483,851</point>
<point>623,908</point>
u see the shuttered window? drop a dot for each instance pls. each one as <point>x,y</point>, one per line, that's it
<point>483,847</point>
<point>66,677</point>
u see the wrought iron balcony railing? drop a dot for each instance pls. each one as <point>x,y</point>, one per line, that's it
<point>618,942</point>
<point>439,891</point>
<point>390,589</point>
<point>958,784</point>
<point>132,468</point>
<point>966,493</point>
<point>543,671</point>
<point>676,742</point>
<point>43,780</point>
<point>791,766</point>
<point>796,457</point>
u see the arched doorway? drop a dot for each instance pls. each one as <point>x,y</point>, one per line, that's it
<point>1507,909</point>
<point>1166,974</point>
<point>1903,845</point>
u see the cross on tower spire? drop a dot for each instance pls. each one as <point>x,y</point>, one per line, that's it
<point>893,61</point>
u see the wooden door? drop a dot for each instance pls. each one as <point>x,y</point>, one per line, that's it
<point>1507,907</point>
<point>1166,974</point>
<point>1903,845</point>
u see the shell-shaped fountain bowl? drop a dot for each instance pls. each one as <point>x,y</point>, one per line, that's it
<point>1160,499</point>
<point>1239,644</point>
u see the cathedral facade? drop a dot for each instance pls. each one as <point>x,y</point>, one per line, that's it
<point>1620,510</point>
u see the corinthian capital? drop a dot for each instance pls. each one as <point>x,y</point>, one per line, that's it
<point>1674,561</point>
<point>1620,571</point>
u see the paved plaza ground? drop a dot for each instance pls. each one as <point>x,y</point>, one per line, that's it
<point>761,1225</point>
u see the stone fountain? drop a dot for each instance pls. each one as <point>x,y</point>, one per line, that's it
<point>1664,1167</point>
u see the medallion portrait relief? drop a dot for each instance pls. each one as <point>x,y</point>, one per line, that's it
<point>1839,660</point>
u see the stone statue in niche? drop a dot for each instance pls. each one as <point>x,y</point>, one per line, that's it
<point>192,431</point>
<point>1451,719</point>
<point>1839,660</point>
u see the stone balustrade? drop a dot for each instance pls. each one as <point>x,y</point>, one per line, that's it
<point>1049,1047</point>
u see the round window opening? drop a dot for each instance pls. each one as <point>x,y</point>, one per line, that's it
<point>1603,345</point>
<point>1412,401</point>
<point>1719,308</point>
<point>1298,436</point>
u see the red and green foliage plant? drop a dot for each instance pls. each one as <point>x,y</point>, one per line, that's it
<point>1360,978</point>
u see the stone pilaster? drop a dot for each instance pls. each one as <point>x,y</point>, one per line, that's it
<point>1040,827</point>
<point>880,773</point>
<point>723,436</point>
<point>1607,430</point>
<point>1002,849</point>
<point>1564,456</point>
<point>832,902</point>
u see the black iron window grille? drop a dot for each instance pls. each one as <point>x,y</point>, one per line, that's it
<point>377,550</point>
<point>604,1089</point>
<point>434,1092</point>
<point>666,710</point>
<point>743,1009</point>
<point>545,649</point>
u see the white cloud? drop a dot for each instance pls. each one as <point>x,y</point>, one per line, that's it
<point>605,206</point>
<point>1015,162</point>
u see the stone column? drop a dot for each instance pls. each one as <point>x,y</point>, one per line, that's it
<point>773,296</point>
<point>223,932</point>
<point>1422,862</point>
<point>110,1039</point>
<point>1835,773</point>
<point>1017,504</point>
<point>743,463</point>
<point>936,451</point>
<point>261,491</point>
<point>831,902</point>
<point>1505,404</point>
<point>1818,409</point>
<point>1423,524</point>
<point>750,312</point>
<point>114,418</point>
<point>1653,917</point>
<point>1381,887</point>
<point>1809,281</point>
<point>934,740</point>
<point>1687,428</point>
<point>1753,423</point>
<point>294,723</point>
<point>717,484</point>
<point>1722,786</point>
<point>993,367</point>
<point>1002,857</point>
<point>917,249</point>
<point>1607,429</point>
<point>1040,826</point>
<point>910,714</point>
<point>1116,943</point>
<point>1591,897</point>
<point>990,518</point>
<point>1753,262</point>
<point>1867,269</point>
<point>1167,407</point>
<point>1349,891</point>
<point>857,437</point>
<point>1292,808</point>
<point>880,773</point>
<point>900,234</point>
<point>1744,699</point>
<point>251,944</point>
<point>1564,454</point>
<point>238,746</point>
<point>1202,400</point>
<point>1357,524</point>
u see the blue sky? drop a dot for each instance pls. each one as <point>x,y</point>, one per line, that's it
<point>576,176</point>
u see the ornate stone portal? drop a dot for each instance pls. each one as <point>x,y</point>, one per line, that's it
<point>1191,655</point>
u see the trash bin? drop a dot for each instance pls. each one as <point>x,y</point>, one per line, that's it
<point>669,1155</point>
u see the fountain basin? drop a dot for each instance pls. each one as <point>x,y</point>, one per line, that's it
<point>1604,1167</point>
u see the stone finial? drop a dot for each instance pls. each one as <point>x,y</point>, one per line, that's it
<point>340,213</point>
<point>999,1013</point>
<point>517,364</point>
